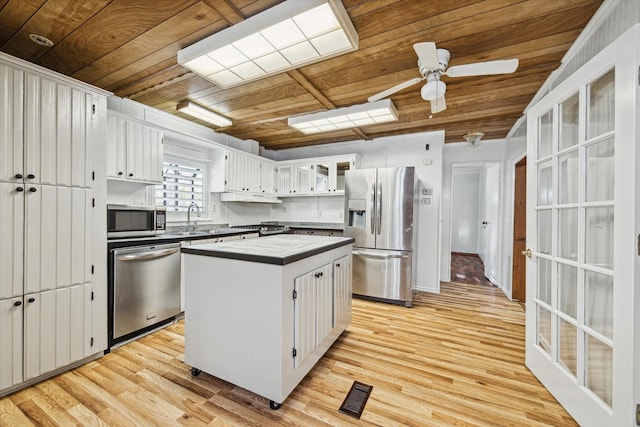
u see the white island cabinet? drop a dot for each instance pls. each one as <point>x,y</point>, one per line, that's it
<point>260,313</point>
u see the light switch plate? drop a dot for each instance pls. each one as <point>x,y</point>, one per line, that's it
<point>426,200</point>
<point>427,191</point>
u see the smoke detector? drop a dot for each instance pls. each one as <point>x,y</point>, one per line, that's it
<point>41,40</point>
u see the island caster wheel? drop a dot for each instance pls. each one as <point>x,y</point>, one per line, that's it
<point>195,372</point>
<point>273,405</point>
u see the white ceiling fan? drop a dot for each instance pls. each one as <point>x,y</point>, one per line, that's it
<point>433,63</point>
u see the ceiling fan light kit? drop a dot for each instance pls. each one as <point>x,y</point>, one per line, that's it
<point>289,35</point>
<point>346,117</point>
<point>433,63</point>
<point>202,113</point>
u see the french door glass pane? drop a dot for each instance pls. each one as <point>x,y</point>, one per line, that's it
<point>599,236</point>
<point>544,329</point>
<point>545,134</point>
<point>598,372</point>
<point>544,280</point>
<point>568,178</point>
<point>569,122</point>
<point>598,310</point>
<point>601,105</point>
<point>600,171</point>
<point>568,346</point>
<point>568,233</point>
<point>545,184</point>
<point>568,289</point>
<point>544,231</point>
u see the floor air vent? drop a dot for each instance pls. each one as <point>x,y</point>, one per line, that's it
<point>356,399</point>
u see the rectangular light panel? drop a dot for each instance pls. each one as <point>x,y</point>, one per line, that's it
<point>289,35</point>
<point>347,117</point>
<point>203,114</point>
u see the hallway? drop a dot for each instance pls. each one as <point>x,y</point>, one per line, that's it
<point>467,268</point>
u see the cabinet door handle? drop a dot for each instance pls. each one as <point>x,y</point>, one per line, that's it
<point>31,176</point>
<point>120,174</point>
<point>19,189</point>
<point>130,174</point>
<point>18,176</point>
<point>33,189</point>
<point>31,299</point>
<point>338,264</point>
<point>17,303</point>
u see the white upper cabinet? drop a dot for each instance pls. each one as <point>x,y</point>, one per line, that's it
<point>316,176</point>
<point>11,239</point>
<point>134,151</point>
<point>45,130</point>
<point>11,123</point>
<point>235,171</point>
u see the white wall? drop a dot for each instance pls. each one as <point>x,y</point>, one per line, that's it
<point>405,150</point>
<point>464,218</point>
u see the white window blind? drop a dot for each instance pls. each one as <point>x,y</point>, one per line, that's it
<point>182,185</point>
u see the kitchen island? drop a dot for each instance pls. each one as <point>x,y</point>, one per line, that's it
<point>260,313</point>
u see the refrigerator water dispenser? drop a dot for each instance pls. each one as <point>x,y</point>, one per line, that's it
<point>357,213</point>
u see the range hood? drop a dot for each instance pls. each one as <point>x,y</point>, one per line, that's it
<point>248,198</point>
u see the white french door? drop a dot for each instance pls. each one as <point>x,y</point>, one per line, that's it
<point>581,226</point>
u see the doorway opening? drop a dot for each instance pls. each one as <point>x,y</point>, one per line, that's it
<point>518,272</point>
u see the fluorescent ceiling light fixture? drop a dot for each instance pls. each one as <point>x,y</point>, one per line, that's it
<point>289,35</point>
<point>347,117</point>
<point>201,113</point>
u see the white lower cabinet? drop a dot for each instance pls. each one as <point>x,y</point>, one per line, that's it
<point>342,292</point>
<point>44,331</point>
<point>57,328</point>
<point>313,311</point>
<point>11,349</point>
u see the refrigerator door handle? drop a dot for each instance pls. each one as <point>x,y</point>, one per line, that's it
<point>379,207</point>
<point>379,256</point>
<point>372,208</point>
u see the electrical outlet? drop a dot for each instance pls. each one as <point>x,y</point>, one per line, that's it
<point>425,200</point>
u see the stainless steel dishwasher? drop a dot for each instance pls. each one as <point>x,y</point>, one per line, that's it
<point>146,287</point>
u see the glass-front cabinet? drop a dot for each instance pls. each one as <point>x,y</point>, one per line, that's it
<point>315,176</point>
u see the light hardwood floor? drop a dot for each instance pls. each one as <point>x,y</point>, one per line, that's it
<point>456,358</point>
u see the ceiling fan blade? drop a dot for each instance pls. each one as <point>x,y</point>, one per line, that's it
<point>438,105</point>
<point>427,55</point>
<point>394,89</point>
<point>503,66</point>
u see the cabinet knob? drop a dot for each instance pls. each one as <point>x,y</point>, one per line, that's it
<point>17,303</point>
<point>33,189</point>
<point>32,299</point>
<point>18,176</point>
<point>130,174</point>
<point>338,264</point>
<point>31,176</point>
<point>120,174</point>
<point>20,189</point>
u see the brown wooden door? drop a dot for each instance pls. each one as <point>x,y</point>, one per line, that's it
<point>518,288</point>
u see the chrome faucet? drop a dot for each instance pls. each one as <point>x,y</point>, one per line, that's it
<point>192,227</point>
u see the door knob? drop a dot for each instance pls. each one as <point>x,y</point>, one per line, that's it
<point>528,253</point>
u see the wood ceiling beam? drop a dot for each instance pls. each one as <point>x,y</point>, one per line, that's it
<point>296,75</point>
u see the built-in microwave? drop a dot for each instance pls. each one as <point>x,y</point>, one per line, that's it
<point>135,221</point>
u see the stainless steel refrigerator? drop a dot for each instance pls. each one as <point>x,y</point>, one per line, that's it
<point>379,208</point>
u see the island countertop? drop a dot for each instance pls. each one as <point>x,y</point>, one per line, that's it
<point>280,249</point>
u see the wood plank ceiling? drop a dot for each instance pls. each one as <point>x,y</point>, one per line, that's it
<point>129,47</point>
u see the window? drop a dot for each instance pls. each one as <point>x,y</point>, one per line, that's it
<point>183,184</point>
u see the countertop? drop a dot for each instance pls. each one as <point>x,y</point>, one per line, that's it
<point>178,237</point>
<point>279,249</point>
<point>314,225</point>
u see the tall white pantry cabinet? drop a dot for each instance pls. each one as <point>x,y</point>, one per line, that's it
<point>52,223</point>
